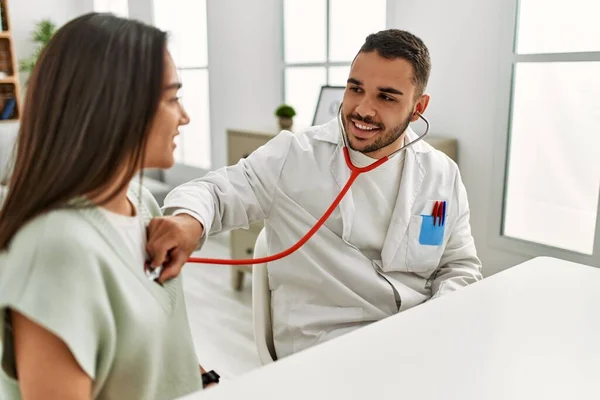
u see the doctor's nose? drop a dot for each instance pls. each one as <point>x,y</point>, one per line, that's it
<point>365,108</point>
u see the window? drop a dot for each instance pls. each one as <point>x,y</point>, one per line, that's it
<point>321,38</point>
<point>117,7</point>
<point>185,21</point>
<point>552,177</point>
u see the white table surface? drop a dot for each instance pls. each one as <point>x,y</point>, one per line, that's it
<point>530,332</point>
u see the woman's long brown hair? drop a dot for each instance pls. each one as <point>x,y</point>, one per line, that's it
<point>90,102</point>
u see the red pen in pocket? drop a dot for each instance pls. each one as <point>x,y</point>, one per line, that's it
<point>439,213</point>
<point>434,213</point>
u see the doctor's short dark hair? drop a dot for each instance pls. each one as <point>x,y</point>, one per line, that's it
<point>395,43</point>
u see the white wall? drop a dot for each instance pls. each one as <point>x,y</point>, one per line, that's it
<point>141,10</point>
<point>245,64</point>
<point>465,38</point>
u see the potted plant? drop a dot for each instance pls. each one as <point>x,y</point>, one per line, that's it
<point>43,32</point>
<point>285,113</point>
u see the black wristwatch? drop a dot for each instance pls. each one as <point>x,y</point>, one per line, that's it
<point>209,377</point>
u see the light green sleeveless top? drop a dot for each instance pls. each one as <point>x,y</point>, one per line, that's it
<point>68,271</point>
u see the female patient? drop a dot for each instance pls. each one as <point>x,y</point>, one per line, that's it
<point>79,318</point>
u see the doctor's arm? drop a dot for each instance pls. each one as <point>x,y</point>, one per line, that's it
<point>226,199</point>
<point>459,265</point>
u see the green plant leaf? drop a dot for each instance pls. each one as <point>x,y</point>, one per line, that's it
<point>26,65</point>
<point>285,110</point>
<point>44,31</point>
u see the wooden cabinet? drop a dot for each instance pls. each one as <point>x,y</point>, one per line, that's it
<point>10,90</point>
<point>240,143</point>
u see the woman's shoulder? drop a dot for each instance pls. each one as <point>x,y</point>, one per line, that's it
<point>55,244</point>
<point>59,229</point>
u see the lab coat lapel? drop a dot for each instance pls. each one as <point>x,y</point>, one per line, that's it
<point>341,174</point>
<point>412,178</point>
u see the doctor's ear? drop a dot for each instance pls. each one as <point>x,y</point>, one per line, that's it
<point>420,107</point>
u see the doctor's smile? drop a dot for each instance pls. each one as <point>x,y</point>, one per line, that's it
<point>362,129</point>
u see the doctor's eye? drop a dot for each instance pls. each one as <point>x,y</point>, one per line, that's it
<point>386,97</point>
<point>355,89</point>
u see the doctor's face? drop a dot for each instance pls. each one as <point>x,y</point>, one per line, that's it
<point>380,101</point>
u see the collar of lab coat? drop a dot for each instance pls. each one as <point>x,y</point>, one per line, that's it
<point>412,178</point>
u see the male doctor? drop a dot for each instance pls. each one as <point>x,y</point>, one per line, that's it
<point>381,252</point>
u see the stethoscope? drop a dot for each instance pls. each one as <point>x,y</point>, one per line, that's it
<point>355,172</point>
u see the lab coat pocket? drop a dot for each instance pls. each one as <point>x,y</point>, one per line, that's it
<point>425,244</point>
<point>431,234</point>
<point>312,324</point>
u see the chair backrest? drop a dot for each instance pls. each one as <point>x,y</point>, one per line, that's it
<point>261,304</point>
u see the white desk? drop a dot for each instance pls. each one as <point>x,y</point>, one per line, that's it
<point>530,332</point>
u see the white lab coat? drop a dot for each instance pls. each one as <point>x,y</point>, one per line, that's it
<point>328,287</point>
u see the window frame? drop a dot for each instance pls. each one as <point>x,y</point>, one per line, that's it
<point>389,18</point>
<point>194,68</point>
<point>505,101</point>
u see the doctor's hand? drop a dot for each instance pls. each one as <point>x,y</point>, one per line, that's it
<point>171,241</point>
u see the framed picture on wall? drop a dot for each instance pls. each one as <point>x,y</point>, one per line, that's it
<point>328,105</point>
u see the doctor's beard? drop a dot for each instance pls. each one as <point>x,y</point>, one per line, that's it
<point>383,139</point>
